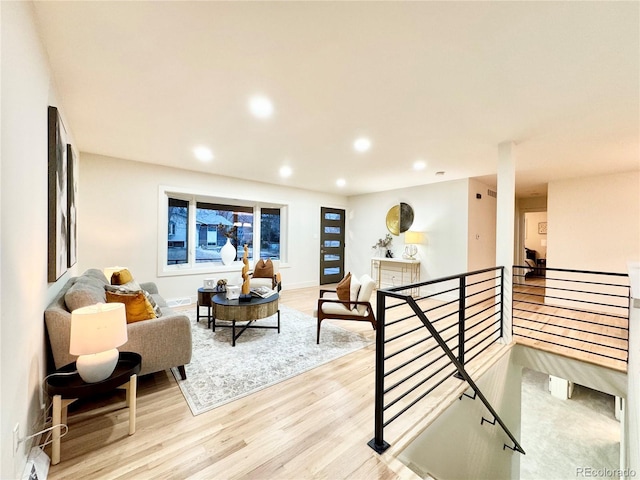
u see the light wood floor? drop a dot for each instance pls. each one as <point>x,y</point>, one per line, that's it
<point>315,425</point>
<point>602,341</point>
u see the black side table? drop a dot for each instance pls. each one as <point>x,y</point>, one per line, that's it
<point>66,389</point>
<point>204,300</point>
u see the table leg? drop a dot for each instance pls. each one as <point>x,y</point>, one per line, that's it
<point>132,403</point>
<point>278,320</point>
<point>57,420</point>
<point>233,333</point>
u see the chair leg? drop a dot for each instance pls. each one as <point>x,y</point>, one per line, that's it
<point>183,372</point>
<point>318,339</point>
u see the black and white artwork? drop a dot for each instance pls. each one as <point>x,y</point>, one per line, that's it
<point>57,214</point>
<point>72,194</point>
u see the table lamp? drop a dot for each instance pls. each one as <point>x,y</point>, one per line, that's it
<point>411,238</point>
<point>96,333</point>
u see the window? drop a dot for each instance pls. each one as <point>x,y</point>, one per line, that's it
<point>270,233</point>
<point>177,240</point>
<point>198,227</point>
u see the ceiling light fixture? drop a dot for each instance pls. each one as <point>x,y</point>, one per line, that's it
<point>341,182</point>
<point>285,171</point>
<point>440,173</point>
<point>362,144</point>
<point>419,165</point>
<point>203,153</point>
<point>260,106</point>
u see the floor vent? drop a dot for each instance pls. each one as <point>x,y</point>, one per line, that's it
<point>179,302</point>
<point>492,193</point>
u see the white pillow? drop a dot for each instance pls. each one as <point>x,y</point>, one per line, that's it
<point>354,290</point>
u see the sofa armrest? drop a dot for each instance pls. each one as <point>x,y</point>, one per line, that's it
<point>163,342</point>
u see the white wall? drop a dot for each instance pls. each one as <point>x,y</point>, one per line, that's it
<point>440,210</point>
<point>594,222</point>
<point>118,219</point>
<point>27,90</point>
<point>481,236</point>
<point>533,239</point>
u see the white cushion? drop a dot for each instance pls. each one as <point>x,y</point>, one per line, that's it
<point>365,292</point>
<point>330,308</point>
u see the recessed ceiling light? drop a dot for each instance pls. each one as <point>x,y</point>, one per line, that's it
<point>362,144</point>
<point>341,182</point>
<point>260,106</point>
<point>419,165</point>
<point>202,153</point>
<point>285,171</point>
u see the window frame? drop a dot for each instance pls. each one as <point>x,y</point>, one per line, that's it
<point>191,267</point>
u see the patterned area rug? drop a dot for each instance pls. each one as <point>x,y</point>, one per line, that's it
<point>219,373</point>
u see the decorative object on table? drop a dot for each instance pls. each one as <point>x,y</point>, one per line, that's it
<point>228,253</point>
<point>399,218</point>
<point>382,245</point>
<point>233,292</point>
<point>245,295</point>
<point>261,360</point>
<point>221,286</point>
<point>389,254</point>
<point>96,333</point>
<point>411,239</point>
<point>57,197</point>
<point>209,283</point>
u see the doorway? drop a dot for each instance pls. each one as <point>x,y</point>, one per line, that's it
<point>332,237</point>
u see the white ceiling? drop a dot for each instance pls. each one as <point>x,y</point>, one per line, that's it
<point>445,82</point>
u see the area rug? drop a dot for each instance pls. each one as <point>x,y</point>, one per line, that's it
<point>219,373</point>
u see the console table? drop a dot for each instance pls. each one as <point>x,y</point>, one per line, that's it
<point>394,272</point>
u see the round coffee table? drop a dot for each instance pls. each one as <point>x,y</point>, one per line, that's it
<point>235,311</point>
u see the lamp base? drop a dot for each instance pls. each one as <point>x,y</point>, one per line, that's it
<point>410,251</point>
<point>98,366</point>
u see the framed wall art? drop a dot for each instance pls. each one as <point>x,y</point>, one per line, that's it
<point>542,228</point>
<point>72,194</point>
<point>58,193</point>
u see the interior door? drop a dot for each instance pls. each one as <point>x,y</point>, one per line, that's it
<point>331,245</point>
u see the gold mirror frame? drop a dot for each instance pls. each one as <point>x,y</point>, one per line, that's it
<point>399,218</point>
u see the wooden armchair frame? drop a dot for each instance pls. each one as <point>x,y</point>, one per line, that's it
<point>338,316</point>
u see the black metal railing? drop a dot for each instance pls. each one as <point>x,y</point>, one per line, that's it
<point>579,313</point>
<point>416,339</point>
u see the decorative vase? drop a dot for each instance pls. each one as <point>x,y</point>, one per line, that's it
<point>228,252</point>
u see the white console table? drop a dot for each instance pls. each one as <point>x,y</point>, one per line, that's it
<point>394,272</point>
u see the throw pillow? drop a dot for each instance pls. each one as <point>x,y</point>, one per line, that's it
<point>263,269</point>
<point>126,289</point>
<point>344,290</point>
<point>136,305</point>
<point>121,277</point>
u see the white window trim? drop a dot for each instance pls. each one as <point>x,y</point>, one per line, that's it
<point>193,196</point>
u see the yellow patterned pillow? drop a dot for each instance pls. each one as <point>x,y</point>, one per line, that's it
<point>136,305</point>
<point>121,277</point>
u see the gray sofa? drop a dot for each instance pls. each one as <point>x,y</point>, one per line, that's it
<point>162,342</point>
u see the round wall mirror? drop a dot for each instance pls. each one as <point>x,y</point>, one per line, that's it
<point>399,218</point>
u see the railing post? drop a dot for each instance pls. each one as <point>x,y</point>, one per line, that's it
<point>462,305</point>
<point>378,443</point>
<point>502,302</point>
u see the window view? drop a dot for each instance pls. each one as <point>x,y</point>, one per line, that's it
<point>270,233</point>
<point>215,224</point>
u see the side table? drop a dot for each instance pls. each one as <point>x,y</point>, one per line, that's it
<point>66,389</point>
<point>204,300</point>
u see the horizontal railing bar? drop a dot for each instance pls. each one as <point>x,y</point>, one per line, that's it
<point>435,294</point>
<point>589,292</point>
<point>573,348</point>
<point>493,305</point>
<point>483,300</point>
<point>397,399</point>
<point>479,332</point>
<point>572,329</point>
<point>611,274</point>
<point>544,314</point>
<point>444,379</point>
<point>402,350</point>
<point>468,328</point>
<point>584,301</point>
<point>473,284</point>
<point>413,374</point>
<point>442,305</point>
<point>444,279</point>
<point>570,338</point>
<point>411,360</point>
<point>480,343</point>
<point>400,335</point>
<point>562,307</point>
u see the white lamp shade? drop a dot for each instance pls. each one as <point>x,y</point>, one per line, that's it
<point>108,271</point>
<point>412,237</point>
<point>97,328</point>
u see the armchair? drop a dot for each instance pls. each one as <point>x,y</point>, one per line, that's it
<point>359,309</point>
<point>266,274</point>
